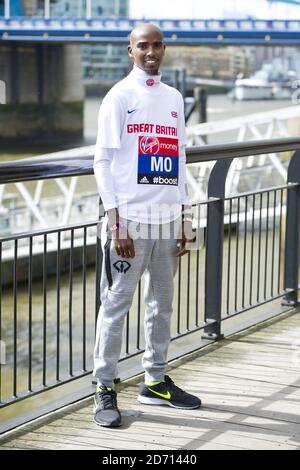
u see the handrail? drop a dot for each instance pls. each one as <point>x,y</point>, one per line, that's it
<point>30,169</point>
<point>241,149</point>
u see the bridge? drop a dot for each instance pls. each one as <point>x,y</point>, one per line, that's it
<point>115,30</point>
<point>41,61</point>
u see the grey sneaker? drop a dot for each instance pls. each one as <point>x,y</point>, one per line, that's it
<point>106,408</point>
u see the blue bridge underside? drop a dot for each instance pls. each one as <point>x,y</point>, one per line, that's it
<point>189,32</point>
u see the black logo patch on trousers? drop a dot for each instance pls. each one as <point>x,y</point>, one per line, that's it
<point>122,266</point>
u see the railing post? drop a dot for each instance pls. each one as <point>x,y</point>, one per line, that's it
<point>182,82</point>
<point>176,79</point>
<point>214,250</point>
<point>291,261</point>
<point>200,96</point>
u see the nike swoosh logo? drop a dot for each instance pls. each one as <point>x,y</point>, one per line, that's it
<point>131,111</point>
<point>167,395</point>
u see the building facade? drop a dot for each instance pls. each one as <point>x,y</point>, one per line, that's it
<point>105,63</point>
<point>208,62</point>
<point>100,63</point>
<point>66,8</point>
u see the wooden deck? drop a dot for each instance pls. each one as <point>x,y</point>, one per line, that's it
<point>249,384</point>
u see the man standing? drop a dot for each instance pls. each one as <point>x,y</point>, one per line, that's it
<point>140,171</point>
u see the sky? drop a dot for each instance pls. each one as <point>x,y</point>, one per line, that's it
<point>261,9</point>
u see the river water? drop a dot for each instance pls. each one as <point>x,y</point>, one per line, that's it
<point>219,107</point>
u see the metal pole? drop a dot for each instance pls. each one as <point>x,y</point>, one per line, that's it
<point>200,96</point>
<point>88,9</point>
<point>47,9</point>
<point>182,83</point>
<point>6,9</point>
<point>176,79</point>
<point>14,75</point>
<point>40,50</point>
<point>214,249</point>
<point>291,261</point>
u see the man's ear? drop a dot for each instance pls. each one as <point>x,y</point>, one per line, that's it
<point>129,50</point>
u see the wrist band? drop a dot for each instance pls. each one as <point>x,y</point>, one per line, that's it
<point>114,227</point>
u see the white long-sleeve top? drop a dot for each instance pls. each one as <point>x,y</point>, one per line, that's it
<point>140,161</point>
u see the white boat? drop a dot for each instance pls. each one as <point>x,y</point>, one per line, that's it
<point>270,83</point>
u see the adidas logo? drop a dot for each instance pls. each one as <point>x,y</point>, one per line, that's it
<point>144,180</point>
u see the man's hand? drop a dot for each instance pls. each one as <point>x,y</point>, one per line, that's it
<point>123,244</point>
<point>187,236</point>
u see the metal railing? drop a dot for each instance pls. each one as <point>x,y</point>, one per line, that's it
<point>260,125</point>
<point>249,257</point>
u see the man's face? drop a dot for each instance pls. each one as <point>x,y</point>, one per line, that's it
<point>147,49</point>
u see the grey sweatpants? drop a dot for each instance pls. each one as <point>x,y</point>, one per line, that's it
<point>155,257</point>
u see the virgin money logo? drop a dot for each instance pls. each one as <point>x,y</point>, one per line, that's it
<point>149,144</point>
<point>150,82</point>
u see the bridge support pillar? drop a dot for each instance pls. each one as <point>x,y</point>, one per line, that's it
<point>44,94</point>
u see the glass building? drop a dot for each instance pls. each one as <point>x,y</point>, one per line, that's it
<point>66,8</point>
<point>105,63</point>
<point>77,8</point>
<point>100,63</point>
<point>15,7</point>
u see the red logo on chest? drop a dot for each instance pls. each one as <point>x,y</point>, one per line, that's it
<point>149,144</point>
